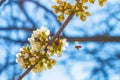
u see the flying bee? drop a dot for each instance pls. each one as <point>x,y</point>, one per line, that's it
<point>77,46</point>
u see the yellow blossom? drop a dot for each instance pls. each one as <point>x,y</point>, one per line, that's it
<point>36,52</point>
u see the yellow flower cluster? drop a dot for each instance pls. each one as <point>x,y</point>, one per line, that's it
<point>57,47</point>
<point>38,53</point>
<point>79,8</point>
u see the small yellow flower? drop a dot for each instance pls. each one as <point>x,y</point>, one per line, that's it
<point>79,8</point>
<point>87,13</point>
<point>82,17</point>
<point>101,2</point>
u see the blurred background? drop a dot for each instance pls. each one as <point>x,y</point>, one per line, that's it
<point>99,36</point>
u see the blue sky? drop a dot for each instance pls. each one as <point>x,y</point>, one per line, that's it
<point>72,65</point>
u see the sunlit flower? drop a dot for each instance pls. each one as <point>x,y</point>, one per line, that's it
<point>36,52</point>
<point>17,55</point>
<point>26,55</point>
<point>44,29</point>
<point>65,43</point>
<point>21,49</point>
<point>35,44</point>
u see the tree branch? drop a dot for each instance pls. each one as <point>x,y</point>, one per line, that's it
<point>16,28</point>
<point>2,1</point>
<point>62,27</point>
<point>95,39</point>
<point>73,39</point>
<point>47,10</point>
<point>55,36</point>
<point>6,65</point>
<point>26,14</point>
<point>26,72</point>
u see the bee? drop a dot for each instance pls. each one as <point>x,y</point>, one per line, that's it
<point>77,46</point>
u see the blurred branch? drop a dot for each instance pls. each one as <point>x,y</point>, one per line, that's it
<point>71,39</point>
<point>47,10</point>
<point>2,1</point>
<point>95,39</point>
<point>16,28</point>
<point>13,40</point>
<point>6,65</point>
<point>39,5</point>
<point>27,16</point>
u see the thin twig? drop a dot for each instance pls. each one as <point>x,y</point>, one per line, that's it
<point>54,37</point>
<point>62,27</point>
<point>26,72</point>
